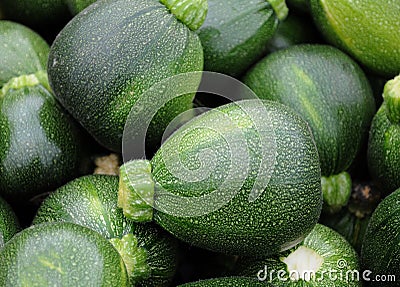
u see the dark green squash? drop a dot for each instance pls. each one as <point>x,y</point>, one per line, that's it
<point>243,178</point>
<point>323,259</point>
<point>235,33</point>
<point>22,51</point>
<point>106,58</point>
<point>91,201</point>
<point>380,251</point>
<point>8,223</point>
<point>40,145</point>
<point>384,140</point>
<point>61,254</point>
<point>332,94</point>
<point>368,30</point>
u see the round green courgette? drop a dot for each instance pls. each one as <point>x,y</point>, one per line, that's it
<point>243,178</point>
<point>380,252</point>
<point>384,140</point>
<point>41,146</point>
<point>332,94</point>
<point>61,254</point>
<point>235,33</point>
<point>91,201</point>
<point>106,58</point>
<point>22,51</point>
<point>8,223</point>
<point>323,259</point>
<point>368,30</point>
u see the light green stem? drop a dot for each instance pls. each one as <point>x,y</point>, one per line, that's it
<point>134,257</point>
<point>280,8</point>
<point>391,96</point>
<point>336,191</point>
<point>136,190</point>
<point>39,78</point>
<point>191,12</point>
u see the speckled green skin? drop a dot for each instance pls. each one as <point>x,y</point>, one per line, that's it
<point>380,251</point>
<point>105,58</point>
<point>40,147</point>
<point>227,282</point>
<point>22,51</point>
<point>8,223</point>
<point>283,214</point>
<point>328,90</point>
<point>292,31</point>
<point>91,201</point>
<point>384,151</point>
<point>327,243</point>
<point>35,12</point>
<point>368,30</point>
<point>76,6</point>
<point>235,34</point>
<point>61,254</point>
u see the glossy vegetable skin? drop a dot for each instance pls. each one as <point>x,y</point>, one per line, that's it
<point>22,51</point>
<point>288,202</point>
<point>41,146</point>
<point>328,89</point>
<point>380,251</point>
<point>61,254</point>
<point>8,223</point>
<point>235,33</point>
<point>368,31</point>
<point>384,140</point>
<point>91,201</point>
<point>106,58</point>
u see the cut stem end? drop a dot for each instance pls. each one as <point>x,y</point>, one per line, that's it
<point>391,96</point>
<point>134,257</point>
<point>190,12</point>
<point>136,190</point>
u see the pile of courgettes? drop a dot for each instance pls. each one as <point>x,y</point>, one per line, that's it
<point>199,143</point>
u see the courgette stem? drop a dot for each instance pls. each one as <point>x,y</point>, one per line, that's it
<point>300,262</point>
<point>391,97</point>
<point>191,12</point>
<point>280,8</point>
<point>39,78</point>
<point>134,257</point>
<point>136,190</point>
<point>336,191</point>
